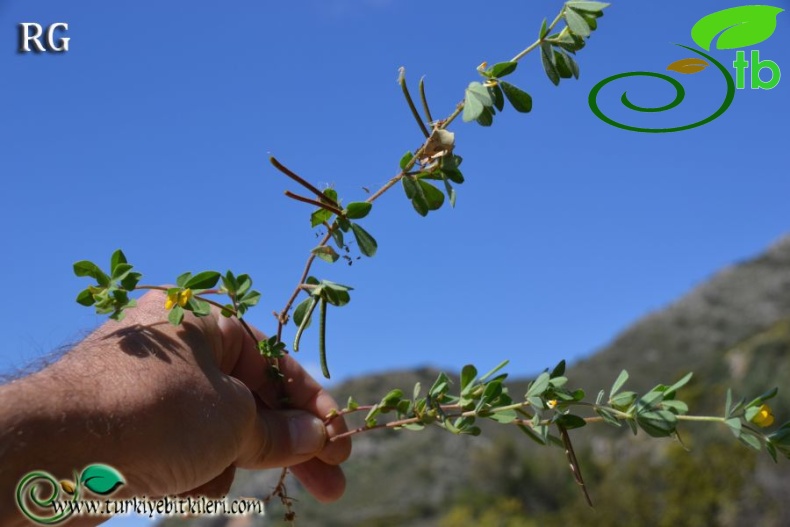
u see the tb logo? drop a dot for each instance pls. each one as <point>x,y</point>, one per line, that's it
<point>31,33</point>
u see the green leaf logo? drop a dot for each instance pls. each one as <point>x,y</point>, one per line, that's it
<point>741,26</point>
<point>101,479</point>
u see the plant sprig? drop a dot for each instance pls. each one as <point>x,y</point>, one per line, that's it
<point>548,409</point>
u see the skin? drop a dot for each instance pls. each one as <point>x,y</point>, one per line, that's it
<point>175,409</point>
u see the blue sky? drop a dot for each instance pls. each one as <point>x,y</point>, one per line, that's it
<point>152,134</point>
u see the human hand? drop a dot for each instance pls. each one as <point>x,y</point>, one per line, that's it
<point>177,409</point>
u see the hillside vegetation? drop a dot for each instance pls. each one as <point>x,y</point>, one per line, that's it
<point>732,331</point>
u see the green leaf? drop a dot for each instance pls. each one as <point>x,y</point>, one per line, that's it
<point>566,66</point>
<point>660,423</point>
<point>304,307</point>
<point>569,42</point>
<point>101,479</point>
<point>352,404</point>
<point>502,69</point>
<point>244,283</point>
<point>571,421</point>
<point>449,167</point>
<point>481,92</point>
<point>678,385</point>
<point>176,315</point>
<point>331,194</point>
<point>230,283</point>
<point>772,451</point>
<point>608,417</point>
<point>476,100</point>
<point>367,244</point>
<point>592,7</point>
<point>343,224</point>
<point>559,370</point>
<point>409,186</point>
<point>532,434</point>
<point>520,100</point>
<point>120,271</point>
<point>320,216</point>
<point>504,417</point>
<point>251,298</point>
<point>547,57</point>
<point>619,382</point>
<point>337,236</point>
<point>591,19</point>
<point>623,400</point>
<point>440,385</point>
<point>760,399</point>
<point>129,282</point>
<point>576,23</point>
<point>433,196</point>
<point>468,374</point>
<point>677,407</point>
<point>539,386</point>
<point>486,118</point>
<point>450,191</point>
<point>200,308</point>
<point>544,30</point>
<point>496,94</point>
<point>392,398</point>
<point>728,403</point>
<point>87,268</point>
<point>204,280</point>
<point>85,298</point>
<point>749,440</point>
<point>740,27</point>
<point>358,210</point>
<point>182,279</point>
<point>494,370</point>
<point>404,161</point>
<point>326,253</point>
<point>116,259</point>
<point>472,107</point>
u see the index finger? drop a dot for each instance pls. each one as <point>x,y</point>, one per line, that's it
<point>296,388</point>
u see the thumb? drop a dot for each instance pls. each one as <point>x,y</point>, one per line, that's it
<point>281,438</point>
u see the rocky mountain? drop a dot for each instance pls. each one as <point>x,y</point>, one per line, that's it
<point>732,331</point>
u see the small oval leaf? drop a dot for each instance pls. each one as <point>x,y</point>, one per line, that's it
<point>739,27</point>
<point>688,66</point>
<point>367,244</point>
<point>326,253</point>
<point>358,210</point>
<point>520,99</point>
<point>204,280</point>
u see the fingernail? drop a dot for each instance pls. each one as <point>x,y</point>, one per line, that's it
<point>308,435</point>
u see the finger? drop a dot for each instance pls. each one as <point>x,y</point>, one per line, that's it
<point>325,482</point>
<point>215,488</point>
<point>281,438</point>
<point>297,389</point>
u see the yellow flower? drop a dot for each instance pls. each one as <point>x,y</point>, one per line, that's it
<point>552,403</point>
<point>764,417</point>
<point>482,66</point>
<point>178,298</point>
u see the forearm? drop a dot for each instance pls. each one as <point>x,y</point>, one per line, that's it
<point>47,425</point>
